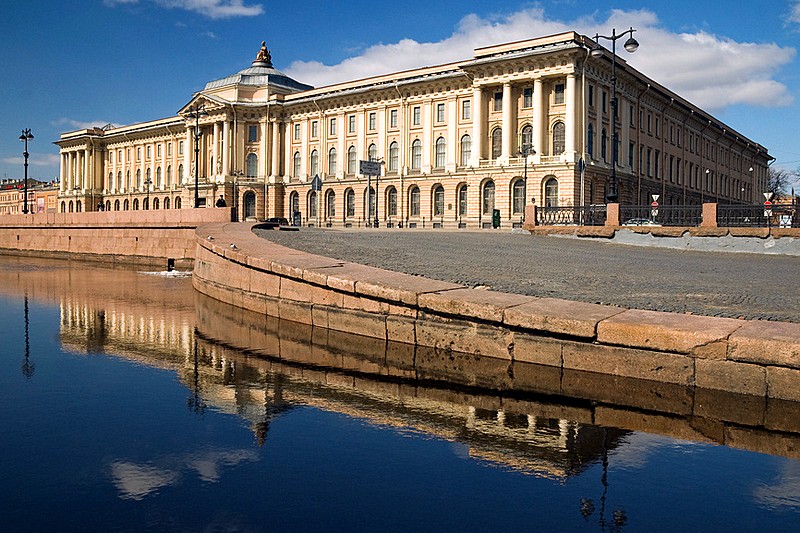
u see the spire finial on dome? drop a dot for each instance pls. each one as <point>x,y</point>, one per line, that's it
<point>263,58</point>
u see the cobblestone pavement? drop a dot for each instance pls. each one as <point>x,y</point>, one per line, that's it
<point>737,285</point>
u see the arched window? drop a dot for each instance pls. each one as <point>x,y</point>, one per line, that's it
<point>466,150</point>
<point>559,135</point>
<point>372,152</point>
<point>351,160</point>
<point>416,154</point>
<point>116,205</point>
<point>394,156</point>
<point>330,203</point>
<point>370,203</point>
<point>148,182</point>
<point>138,178</point>
<point>603,144</point>
<point>249,205</point>
<point>590,141</point>
<point>169,178</point>
<point>314,163</point>
<point>63,207</point>
<point>312,204</point>
<point>488,198</point>
<point>126,205</point>
<point>462,200</point>
<point>178,203</point>
<point>350,203</point>
<point>108,205</point>
<point>441,149</point>
<point>78,206</point>
<point>135,204</point>
<point>110,183</point>
<point>71,206</point>
<point>294,204</point>
<point>166,203</point>
<point>155,203</point>
<point>146,204</point>
<point>526,140</point>
<point>438,201</point>
<point>391,201</point>
<point>180,173</point>
<point>413,203</point>
<point>119,181</point>
<point>332,162</point>
<point>497,143</point>
<point>251,165</point>
<point>551,193</point>
<point>158,178</point>
<point>518,197</point>
<point>296,164</point>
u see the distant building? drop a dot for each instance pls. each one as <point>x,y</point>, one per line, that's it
<point>451,140</point>
<point>42,197</point>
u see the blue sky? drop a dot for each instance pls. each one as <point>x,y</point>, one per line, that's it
<point>68,65</point>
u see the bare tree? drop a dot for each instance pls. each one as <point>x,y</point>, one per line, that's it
<point>781,181</point>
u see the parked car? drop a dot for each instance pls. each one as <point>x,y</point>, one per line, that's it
<point>640,222</point>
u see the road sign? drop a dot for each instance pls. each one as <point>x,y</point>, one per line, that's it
<point>369,168</point>
<point>316,183</point>
<point>654,205</point>
<point>655,197</point>
<point>767,195</point>
<point>767,205</point>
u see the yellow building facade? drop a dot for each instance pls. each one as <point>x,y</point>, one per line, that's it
<point>521,123</point>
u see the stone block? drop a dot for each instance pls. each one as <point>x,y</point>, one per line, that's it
<point>560,317</point>
<point>741,378</point>
<point>401,329</point>
<point>357,322</point>
<point>444,364</point>
<point>783,416</point>
<point>265,283</point>
<point>677,427</point>
<point>766,343</point>
<point>627,362</point>
<point>295,311</point>
<point>761,233</point>
<point>471,303</point>
<point>400,360</point>
<point>462,336</point>
<point>595,232</point>
<point>783,383</point>
<point>668,332</point>
<point>538,350</point>
<point>762,441</point>
<point>540,379</point>
<point>729,407</point>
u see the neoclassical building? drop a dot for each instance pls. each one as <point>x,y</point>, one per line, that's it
<point>518,123</point>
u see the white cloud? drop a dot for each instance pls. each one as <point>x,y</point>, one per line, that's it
<point>35,160</point>
<point>794,15</point>
<point>81,124</point>
<point>134,482</point>
<point>214,9</point>
<point>710,71</point>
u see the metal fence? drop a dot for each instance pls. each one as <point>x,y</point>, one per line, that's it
<point>663,215</point>
<point>589,215</point>
<point>755,216</point>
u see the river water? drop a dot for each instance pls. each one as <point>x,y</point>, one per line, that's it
<point>130,402</point>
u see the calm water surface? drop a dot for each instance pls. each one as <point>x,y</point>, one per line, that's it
<point>130,403</point>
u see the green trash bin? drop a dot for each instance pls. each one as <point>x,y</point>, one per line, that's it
<point>496,218</point>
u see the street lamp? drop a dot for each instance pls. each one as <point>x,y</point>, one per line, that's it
<point>199,110</point>
<point>631,45</point>
<point>525,150</point>
<point>25,137</point>
<point>147,184</point>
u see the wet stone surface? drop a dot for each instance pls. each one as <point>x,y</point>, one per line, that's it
<point>734,285</point>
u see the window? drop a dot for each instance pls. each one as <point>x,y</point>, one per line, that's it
<point>351,124</point>
<point>330,204</point>
<point>252,133</point>
<point>441,148</point>
<point>138,153</point>
<point>138,178</point>
<point>180,173</point>
<point>332,162</point>
<point>251,165</point>
<point>591,95</point>
<point>466,150</point>
<point>296,164</point>
<point>649,158</point>
<point>438,201</point>
<point>169,149</point>
<point>414,201</point>
<point>393,118</point>
<point>297,132</point>
<point>604,145</point>
<point>518,197</point>
<point>180,147</point>
<point>559,93</point>
<point>527,97</point>
<point>169,177</point>
<point>559,134</point>
<point>314,163</point>
<point>590,141</point>
<point>351,160</point>
<point>394,153</point>
<point>159,184</point>
<point>391,201</point>
<point>158,150</point>
<point>605,102</point>
<point>350,203</point>
<point>466,110</point>
<point>372,121</point>
<point>372,152</point>
<point>498,101</point>
<point>149,151</point>
<point>294,202</point>
<point>439,112</point>
<point>312,204</point>
<point>631,151</point>
<point>416,154</point>
<point>416,116</point>
<point>551,193</point>
<point>332,126</point>
<point>488,198</point>
<point>526,144</point>
<point>314,129</point>
<point>462,201</point>
<point>370,200</point>
<point>119,180</point>
<point>497,143</point>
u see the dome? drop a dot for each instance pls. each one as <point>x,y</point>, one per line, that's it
<point>260,73</point>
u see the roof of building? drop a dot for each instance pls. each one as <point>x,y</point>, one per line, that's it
<point>260,73</point>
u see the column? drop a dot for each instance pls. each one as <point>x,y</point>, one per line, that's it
<point>427,137</point>
<point>570,122</point>
<point>477,126</point>
<point>84,185</point>
<point>187,155</point>
<point>341,146</point>
<point>451,161</point>
<point>276,149</point>
<point>538,117</point>
<point>304,152</point>
<point>226,148</point>
<point>508,114</point>
<point>361,146</point>
<point>215,151</point>
<point>63,173</point>
<point>263,151</point>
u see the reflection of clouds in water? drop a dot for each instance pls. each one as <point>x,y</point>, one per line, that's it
<point>785,492</point>
<point>207,464</point>
<point>635,450</point>
<point>135,481</point>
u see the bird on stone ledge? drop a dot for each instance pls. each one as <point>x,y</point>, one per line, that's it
<point>233,246</point>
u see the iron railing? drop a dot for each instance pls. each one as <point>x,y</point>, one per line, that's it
<point>663,215</point>
<point>589,215</point>
<point>755,216</point>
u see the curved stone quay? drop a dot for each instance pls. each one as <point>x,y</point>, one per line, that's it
<point>757,358</point>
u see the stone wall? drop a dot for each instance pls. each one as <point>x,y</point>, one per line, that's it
<point>760,359</point>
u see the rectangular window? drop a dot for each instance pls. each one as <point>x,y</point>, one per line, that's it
<point>314,129</point>
<point>149,151</point>
<point>591,95</point>
<point>658,127</point>
<point>631,149</point>
<point>439,112</point>
<point>393,118</point>
<point>605,102</point>
<point>297,132</point>
<point>559,93</point>
<point>158,150</point>
<point>416,117</point>
<point>498,101</point>
<point>169,149</point>
<point>332,126</point>
<point>372,121</point>
<point>252,133</point>
<point>351,124</point>
<point>180,147</point>
<point>649,123</point>
<point>466,110</point>
<point>527,97</point>
<point>138,153</point>
<point>633,114</point>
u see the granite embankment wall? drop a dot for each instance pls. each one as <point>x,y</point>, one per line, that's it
<point>141,237</point>
<point>746,357</point>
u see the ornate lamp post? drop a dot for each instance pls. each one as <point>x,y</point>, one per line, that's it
<point>525,150</point>
<point>631,45</point>
<point>25,137</point>
<point>199,110</point>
